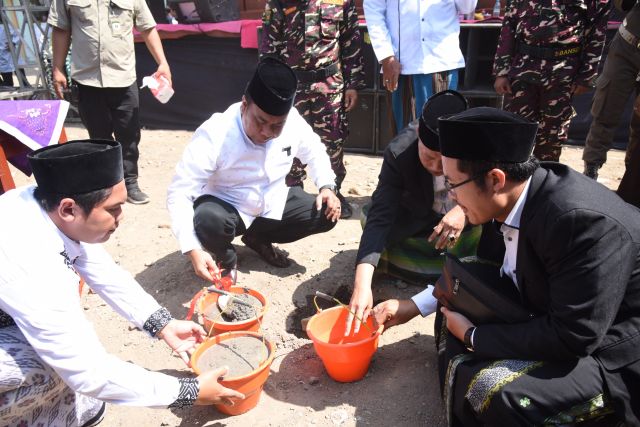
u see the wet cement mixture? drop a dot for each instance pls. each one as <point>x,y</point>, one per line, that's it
<point>235,312</point>
<point>242,355</point>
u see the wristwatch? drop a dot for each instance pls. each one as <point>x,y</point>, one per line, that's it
<point>331,187</point>
<point>467,338</point>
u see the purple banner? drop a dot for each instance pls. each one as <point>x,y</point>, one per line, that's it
<point>34,124</point>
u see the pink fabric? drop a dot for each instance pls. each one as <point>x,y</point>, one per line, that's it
<point>249,33</point>
<point>246,29</point>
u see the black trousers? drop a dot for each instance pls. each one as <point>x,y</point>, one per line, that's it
<point>217,223</point>
<point>7,79</point>
<point>113,113</point>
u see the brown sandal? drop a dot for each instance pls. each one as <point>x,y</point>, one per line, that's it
<point>267,251</point>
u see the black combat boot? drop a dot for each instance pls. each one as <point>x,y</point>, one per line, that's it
<point>591,170</point>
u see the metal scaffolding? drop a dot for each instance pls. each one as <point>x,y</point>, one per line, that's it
<point>23,20</point>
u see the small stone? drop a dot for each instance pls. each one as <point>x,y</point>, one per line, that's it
<point>164,225</point>
<point>304,322</point>
<point>339,417</point>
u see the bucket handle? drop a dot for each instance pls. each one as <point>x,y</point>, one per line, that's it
<point>336,300</point>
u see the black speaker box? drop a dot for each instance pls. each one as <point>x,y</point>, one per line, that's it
<point>218,10</point>
<point>157,10</point>
<point>369,125</point>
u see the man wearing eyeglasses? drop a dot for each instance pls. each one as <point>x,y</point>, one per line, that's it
<point>571,248</point>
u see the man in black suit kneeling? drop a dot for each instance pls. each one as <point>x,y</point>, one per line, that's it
<point>572,249</point>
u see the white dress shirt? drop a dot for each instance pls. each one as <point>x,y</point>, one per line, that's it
<point>422,34</point>
<point>510,232</point>
<point>39,290</point>
<point>222,161</point>
<point>425,301</point>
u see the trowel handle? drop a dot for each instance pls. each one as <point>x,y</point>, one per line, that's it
<point>325,296</point>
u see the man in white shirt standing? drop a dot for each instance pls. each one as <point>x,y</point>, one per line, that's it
<point>231,179</point>
<point>53,368</point>
<point>417,39</point>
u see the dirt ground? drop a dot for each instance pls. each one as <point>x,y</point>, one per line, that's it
<point>401,387</point>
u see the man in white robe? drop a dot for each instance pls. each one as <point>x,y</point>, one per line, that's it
<point>53,368</point>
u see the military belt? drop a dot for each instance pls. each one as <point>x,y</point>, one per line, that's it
<point>628,35</point>
<point>556,52</point>
<point>314,76</point>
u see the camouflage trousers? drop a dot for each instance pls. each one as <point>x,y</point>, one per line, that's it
<point>326,115</point>
<point>550,106</point>
<point>616,83</point>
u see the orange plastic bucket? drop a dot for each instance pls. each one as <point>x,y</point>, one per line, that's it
<point>220,326</point>
<point>346,359</point>
<point>250,384</point>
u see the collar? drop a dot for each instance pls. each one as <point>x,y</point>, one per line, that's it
<point>241,127</point>
<point>71,249</point>
<point>513,219</point>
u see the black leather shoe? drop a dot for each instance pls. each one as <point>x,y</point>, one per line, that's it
<point>136,196</point>
<point>345,211</point>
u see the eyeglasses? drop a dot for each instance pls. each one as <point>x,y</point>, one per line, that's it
<point>450,187</point>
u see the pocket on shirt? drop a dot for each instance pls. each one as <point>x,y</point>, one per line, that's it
<point>81,10</point>
<point>330,17</point>
<point>121,17</point>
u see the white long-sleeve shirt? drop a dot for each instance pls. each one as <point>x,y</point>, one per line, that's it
<point>422,34</point>
<point>222,161</point>
<point>39,290</point>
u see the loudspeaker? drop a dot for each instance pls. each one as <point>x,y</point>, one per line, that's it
<point>369,125</point>
<point>385,122</point>
<point>217,10</point>
<point>362,124</point>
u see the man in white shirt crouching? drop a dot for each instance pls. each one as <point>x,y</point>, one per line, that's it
<point>53,369</point>
<point>231,179</point>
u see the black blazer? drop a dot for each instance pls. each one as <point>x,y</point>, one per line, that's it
<point>403,184</point>
<point>578,269</point>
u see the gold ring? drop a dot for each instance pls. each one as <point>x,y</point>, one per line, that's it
<point>452,237</point>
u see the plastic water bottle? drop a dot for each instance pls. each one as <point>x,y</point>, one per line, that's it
<point>496,9</point>
<point>160,87</point>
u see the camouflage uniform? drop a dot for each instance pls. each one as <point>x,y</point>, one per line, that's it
<point>545,47</point>
<point>309,36</point>
<point>618,81</point>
